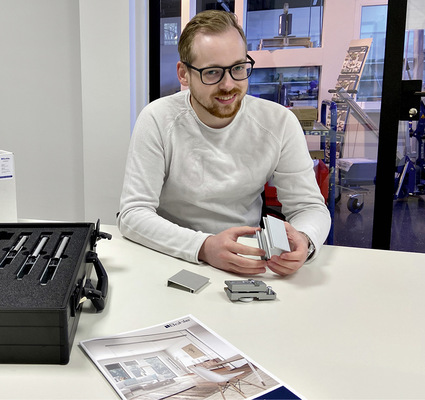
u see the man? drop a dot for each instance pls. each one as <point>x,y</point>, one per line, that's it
<point>199,159</point>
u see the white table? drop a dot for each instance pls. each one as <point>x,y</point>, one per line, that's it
<point>350,325</point>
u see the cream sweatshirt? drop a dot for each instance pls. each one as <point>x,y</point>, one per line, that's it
<point>185,181</point>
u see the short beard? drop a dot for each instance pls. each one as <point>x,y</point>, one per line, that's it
<point>223,112</point>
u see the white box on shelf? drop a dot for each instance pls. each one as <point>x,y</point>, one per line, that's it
<point>8,208</point>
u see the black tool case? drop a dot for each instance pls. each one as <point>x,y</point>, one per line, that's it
<point>45,271</point>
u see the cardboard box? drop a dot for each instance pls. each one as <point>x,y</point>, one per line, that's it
<point>306,115</point>
<point>8,209</point>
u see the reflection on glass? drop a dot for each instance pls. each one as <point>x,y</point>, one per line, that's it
<point>407,233</point>
<point>278,24</point>
<point>373,25</point>
<point>289,86</point>
<point>414,50</point>
<point>170,33</point>
<point>224,5</point>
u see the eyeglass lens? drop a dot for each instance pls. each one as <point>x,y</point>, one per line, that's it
<point>238,72</point>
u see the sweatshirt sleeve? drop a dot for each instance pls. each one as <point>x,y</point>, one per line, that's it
<point>145,173</point>
<point>296,185</point>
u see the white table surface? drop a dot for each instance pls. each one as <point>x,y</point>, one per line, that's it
<point>350,325</point>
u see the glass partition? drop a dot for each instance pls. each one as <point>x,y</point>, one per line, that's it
<point>289,86</point>
<point>170,28</point>
<point>276,24</point>
<point>225,5</point>
<point>373,25</point>
<point>408,222</point>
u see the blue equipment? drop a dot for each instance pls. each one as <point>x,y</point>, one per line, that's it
<point>410,176</point>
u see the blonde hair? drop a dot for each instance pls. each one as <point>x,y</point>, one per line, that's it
<point>212,22</point>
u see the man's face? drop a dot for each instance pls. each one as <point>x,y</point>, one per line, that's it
<point>216,105</point>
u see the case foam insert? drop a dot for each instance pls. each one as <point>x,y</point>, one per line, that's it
<point>28,293</point>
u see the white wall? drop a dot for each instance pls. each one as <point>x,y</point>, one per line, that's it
<point>40,105</point>
<point>105,70</point>
<point>65,107</point>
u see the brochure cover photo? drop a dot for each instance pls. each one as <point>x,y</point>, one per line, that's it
<point>180,359</point>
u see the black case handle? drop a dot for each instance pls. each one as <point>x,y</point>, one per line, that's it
<point>97,294</point>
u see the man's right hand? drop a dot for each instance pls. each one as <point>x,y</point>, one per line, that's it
<point>224,252</point>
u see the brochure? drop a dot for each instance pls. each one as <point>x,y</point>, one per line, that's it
<point>181,359</point>
<point>354,59</point>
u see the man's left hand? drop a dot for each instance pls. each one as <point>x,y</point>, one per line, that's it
<point>288,263</point>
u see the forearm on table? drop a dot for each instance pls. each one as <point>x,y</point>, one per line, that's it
<point>151,230</point>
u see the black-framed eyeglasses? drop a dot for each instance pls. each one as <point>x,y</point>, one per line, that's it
<point>213,75</point>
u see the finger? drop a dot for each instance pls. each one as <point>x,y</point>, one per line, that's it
<point>245,250</point>
<point>295,255</point>
<point>248,269</point>
<point>244,230</point>
<point>283,266</point>
<point>246,265</point>
<point>245,262</point>
<point>283,269</point>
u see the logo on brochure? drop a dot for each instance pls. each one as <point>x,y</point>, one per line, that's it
<point>177,323</point>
